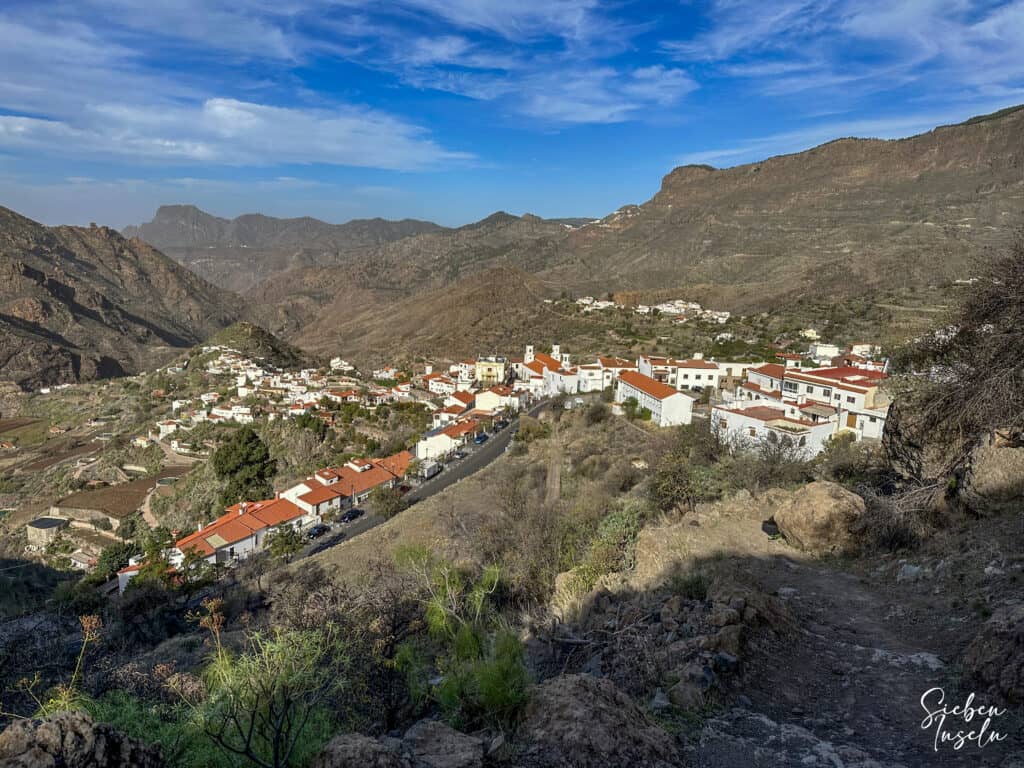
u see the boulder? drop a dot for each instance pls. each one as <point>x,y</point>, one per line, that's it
<point>996,655</point>
<point>353,750</point>
<point>435,745</point>
<point>821,517</point>
<point>686,695</point>
<point>578,721</point>
<point>72,740</point>
<point>996,480</point>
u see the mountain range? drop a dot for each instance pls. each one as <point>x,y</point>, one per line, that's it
<point>239,253</point>
<point>844,219</point>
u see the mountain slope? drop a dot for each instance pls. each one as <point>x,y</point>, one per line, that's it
<point>310,304</point>
<point>845,217</point>
<point>841,220</point>
<point>83,303</point>
<point>239,253</point>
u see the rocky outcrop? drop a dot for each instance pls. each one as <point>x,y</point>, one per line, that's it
<point>435,745</point>
<point>427,744</point>
<point>995,657</point>
<point>820,517</point>
<point>752,740</point>
<point>72,740</point>
<point>579,721</point>
<point>996,480</point>
<point>353,750</point>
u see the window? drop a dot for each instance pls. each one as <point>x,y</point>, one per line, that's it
<point>851,399</point>
<point>810,389</point>
<point>826,391</point>
<point>803,441</point>
<point>790,386</point>
<point>872,419</point>
<point>753,432</point>
<point>723,424</point>
<point>696,376</point>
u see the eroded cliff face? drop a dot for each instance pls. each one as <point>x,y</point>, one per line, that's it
<point>84,303</point>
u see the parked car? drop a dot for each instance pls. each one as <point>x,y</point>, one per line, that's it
<point>352,514</point>
<point>500,424</point>
<point>317,531</point>
<point>480,439</point>
<point>460,454</point>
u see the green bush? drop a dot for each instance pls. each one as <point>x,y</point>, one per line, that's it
<point>597,413</point>
<point>691,586</point>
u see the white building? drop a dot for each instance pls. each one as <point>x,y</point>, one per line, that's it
<point>667,405</point>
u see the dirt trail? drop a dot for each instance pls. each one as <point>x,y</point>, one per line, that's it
<point>843,689</point>
<point>855,672</point>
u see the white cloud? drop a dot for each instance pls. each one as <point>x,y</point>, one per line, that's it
<point>231,132</point>
<point>856,47</point>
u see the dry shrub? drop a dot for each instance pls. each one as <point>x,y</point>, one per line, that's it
<point>901,520</point>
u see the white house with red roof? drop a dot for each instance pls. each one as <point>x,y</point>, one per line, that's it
<point>497,398</point>
<point>695,373</point>
<point>668,406</point>
<point>755,423</point>
<point>441,442</point>
<point>463,399</point>
<point>848,398</point>
<point>438,384</point>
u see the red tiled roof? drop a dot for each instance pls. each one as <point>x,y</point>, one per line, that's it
<point>773,393</point>
<point>501,389</point>
<point>774,370</point>
<point>235,525</point>
<point>652,387</point>
<point>616,362</point>
<point>767,413</point>
<point>547,361</point>
<point>397,464</point>
<point>460,429</point>
<point>320,494</point>
<point>463,397</point>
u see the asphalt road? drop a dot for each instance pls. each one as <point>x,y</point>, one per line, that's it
<point>479,457</point>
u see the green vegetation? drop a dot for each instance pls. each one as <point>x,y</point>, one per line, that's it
<point>613,545</point>
<point>262,703</point>
<point>244,464</point>
<point>470,665</point>
<point>284,543</point>
<point>387,502</point>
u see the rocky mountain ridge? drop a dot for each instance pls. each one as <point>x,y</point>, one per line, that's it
<point>82,303</point>
<point>238,253</point>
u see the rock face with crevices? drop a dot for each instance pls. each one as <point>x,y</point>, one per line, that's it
<point>80,303</point>
<point>72,740</point>
<point>996,655</point>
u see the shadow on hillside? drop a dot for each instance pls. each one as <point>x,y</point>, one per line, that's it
<point>790,638</point>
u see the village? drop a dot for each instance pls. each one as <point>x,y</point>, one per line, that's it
<point>801,399</point>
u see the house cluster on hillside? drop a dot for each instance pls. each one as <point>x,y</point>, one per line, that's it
<point>244,528</point>
<point>677,309</point>
<point>805,407</point>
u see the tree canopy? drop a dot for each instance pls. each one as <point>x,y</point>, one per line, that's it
<point>244,463</point>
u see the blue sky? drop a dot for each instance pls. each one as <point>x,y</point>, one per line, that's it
<point>451,109</point>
